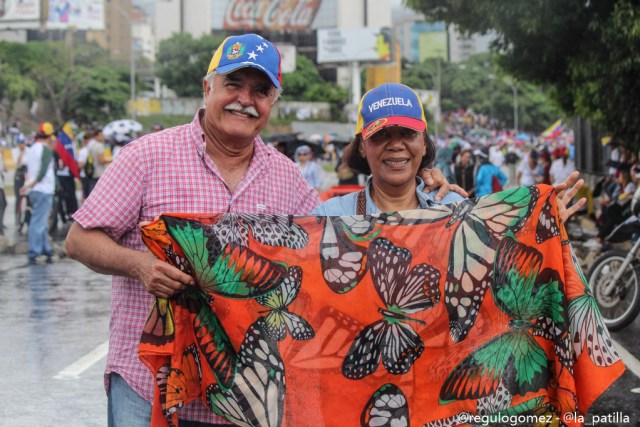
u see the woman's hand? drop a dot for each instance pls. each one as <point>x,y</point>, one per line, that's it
<point>566,191</point>
<point>434,179</point>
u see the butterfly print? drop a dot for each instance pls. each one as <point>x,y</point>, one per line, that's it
<point>514,358</point>
<point>343,260</point>
<point>178,386</point>
<point>236,272</point>
<point>280,319</point>
<point>271,230</point>
<point>387,407</point>
<point>547,223</point>
<point>480,224</point>
<point>159,327</point>
<point>587,327</point>
<point>257,396</point>
<point>403,292</point>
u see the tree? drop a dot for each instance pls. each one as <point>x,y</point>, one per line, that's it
<point>587,51</point>
<point>182,62</point>
<point>306,84</point>
<point>478,84</point>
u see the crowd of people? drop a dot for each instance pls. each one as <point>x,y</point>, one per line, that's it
<point>45,182</point>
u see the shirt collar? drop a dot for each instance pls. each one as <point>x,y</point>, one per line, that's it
<point>424,199</point>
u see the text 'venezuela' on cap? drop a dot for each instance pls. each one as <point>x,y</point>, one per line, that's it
<point>390,104</point>
<point>248,50</point>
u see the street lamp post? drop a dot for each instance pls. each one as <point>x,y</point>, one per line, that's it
<point>515,107</point>
<point>132,61</point>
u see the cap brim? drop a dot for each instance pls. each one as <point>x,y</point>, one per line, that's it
<point>407,122</point>
<point>226,69</point>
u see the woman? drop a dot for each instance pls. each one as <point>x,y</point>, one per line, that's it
<point>465,173</point>
<point>489,178</point>
<point>391,144</point>
<point>309,168</point>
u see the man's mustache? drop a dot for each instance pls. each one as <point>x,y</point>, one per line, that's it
<point>236,106</point>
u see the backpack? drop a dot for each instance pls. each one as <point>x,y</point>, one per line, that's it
<point>495,184</point>
<point>88,166</point>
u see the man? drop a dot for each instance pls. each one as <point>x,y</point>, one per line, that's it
<point>39,186</point>
<point>216,163</point>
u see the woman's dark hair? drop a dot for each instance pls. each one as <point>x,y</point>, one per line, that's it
<point>352,157</point>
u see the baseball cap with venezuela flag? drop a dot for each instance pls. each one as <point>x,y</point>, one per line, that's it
<point>248,50</point>
<point>390,104</point>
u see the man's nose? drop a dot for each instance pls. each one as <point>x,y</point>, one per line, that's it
<point>245,96</point>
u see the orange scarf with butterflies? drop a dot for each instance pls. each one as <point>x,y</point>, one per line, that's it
<point>475,312</point>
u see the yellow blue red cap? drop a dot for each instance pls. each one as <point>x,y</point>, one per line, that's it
<point>390,104</point>
<point>248,50</point>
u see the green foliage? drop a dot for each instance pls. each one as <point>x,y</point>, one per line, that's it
<point>182,62</point>
<point>103,95</point>
<point>587,51</point>
<point>478,84</point>
<point>306,84</point>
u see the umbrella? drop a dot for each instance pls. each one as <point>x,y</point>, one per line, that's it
<point>480,132</point>
<point>121,127</point>
<point>523,137</point>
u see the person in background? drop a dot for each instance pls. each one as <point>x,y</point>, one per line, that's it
<point>465,173</point>
<point>528,170</point>
<point>157,127</point>
<point>489,177</point>
<point>444,162</point>
<point>308,167</point>
<point>66,189</point>
<point>81,160</point>
<point>40,186</point>
<point>20,160</point>
<point>562,166</point>
<point>98,155</point>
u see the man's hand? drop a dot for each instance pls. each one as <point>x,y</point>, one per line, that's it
<point>161,279</point>
<point>434,179</point>
<point>566,191</point>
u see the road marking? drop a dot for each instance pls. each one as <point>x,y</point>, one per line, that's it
<point>629,361</point>
<point>74,370</point>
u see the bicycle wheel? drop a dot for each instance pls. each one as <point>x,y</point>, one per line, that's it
<point>623,304</point>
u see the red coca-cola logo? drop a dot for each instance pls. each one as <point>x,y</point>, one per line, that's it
<point>270,14</point>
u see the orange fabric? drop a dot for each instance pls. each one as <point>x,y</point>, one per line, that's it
<point>425,316</point>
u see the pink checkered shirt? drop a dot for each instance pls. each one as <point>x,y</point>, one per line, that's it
<point>165,172</point>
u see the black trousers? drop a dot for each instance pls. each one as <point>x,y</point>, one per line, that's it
<point>67,200</point>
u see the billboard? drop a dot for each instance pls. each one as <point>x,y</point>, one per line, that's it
<point>354,44</point>
<point>19,10</point>
<point>265,14</point>
<point>80,14</point>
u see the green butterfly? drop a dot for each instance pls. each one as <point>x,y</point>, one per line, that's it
<point>513,358</point>
<point>233,271</point>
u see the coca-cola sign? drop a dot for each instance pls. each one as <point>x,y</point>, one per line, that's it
<point>270,14</point>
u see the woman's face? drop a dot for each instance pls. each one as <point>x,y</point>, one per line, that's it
<point>394,154</point>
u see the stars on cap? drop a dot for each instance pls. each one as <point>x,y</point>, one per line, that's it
<point>252,55</point>
<point>260,48</point>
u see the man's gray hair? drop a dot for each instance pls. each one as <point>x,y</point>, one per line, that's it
<point>209,79</point>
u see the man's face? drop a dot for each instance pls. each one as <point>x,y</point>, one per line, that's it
<point>238,105</point>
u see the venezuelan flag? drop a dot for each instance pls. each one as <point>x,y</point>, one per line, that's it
<point>64,148</point>
<point>554,130</point>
